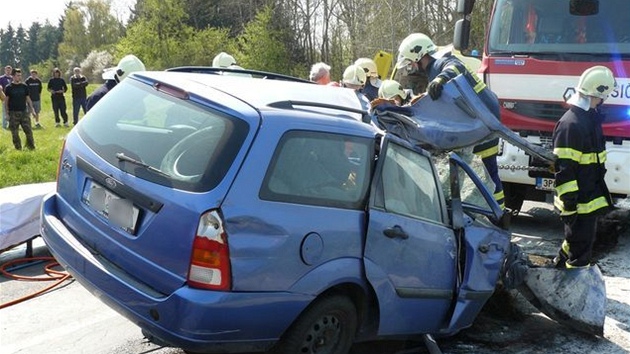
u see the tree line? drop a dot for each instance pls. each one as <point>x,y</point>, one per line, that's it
<point>284,36</point>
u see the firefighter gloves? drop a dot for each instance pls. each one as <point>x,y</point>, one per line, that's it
<point>435,89</point>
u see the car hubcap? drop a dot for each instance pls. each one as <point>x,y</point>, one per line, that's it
<point>323,336</point>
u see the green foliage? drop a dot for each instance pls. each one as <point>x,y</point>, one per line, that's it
<point>39,165</point>
<point>160,40</point>
<point>259,45</point>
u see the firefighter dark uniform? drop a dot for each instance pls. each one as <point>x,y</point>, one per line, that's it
<point>439,72</point>
<point>581,192</point>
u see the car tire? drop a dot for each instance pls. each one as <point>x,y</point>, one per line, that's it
<point>328,326</point>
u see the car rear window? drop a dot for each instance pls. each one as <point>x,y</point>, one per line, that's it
<point>163,139</point>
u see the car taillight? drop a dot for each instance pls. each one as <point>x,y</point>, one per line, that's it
<point>62,161</point>
<point>210,260</point>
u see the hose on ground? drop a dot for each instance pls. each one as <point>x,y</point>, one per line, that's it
<point>51,275</point>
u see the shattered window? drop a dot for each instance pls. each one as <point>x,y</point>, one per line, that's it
<point>409,185</point>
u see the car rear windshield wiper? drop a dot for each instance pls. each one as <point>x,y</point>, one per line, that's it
<point>123,157</point>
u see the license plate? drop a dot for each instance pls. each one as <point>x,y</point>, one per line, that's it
<point>116,210</point>
<point>546,184</point>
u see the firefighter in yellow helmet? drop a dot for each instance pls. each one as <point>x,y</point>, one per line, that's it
<point>578,142</point>
<point>373,82</point>
<point>127,65</point>
<point>418,50</point>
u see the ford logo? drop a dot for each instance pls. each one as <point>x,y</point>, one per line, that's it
<point>111,183</point>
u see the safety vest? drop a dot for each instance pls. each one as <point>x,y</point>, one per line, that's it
<point>579,144</point>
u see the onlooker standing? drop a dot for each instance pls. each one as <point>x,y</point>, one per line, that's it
<point>320,73</point>
<point>78,83</point>
<point>17,101</point>
<point>35,86</point>
<point>57,87</point>
<point>5,80</point>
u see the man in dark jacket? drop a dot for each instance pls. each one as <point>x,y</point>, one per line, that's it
<point>581,192</point>
<point>419,50</point>
<point>58,87</point>
<point>35,86</point>
<point>17,101</point>
<point>78,83</point>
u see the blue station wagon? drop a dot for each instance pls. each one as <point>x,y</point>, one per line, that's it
<point>226,214</point>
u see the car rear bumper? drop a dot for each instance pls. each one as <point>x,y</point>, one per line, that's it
<point>193,319</point>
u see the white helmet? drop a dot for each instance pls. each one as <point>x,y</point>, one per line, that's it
<point>368,65</point>
<point>127,65</point>
<point>354,75</point>
<point>413,48</point>
<point>223,60</point>
<point>390,89</point>
<point>597,81</point>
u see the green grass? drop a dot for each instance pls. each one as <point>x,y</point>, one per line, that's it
<point>40,165</point>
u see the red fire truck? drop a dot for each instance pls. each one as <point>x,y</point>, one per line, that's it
<point>534,53</point>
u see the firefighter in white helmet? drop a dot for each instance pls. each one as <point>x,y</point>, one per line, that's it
<point>392,90</point>
<point>370,89</point>
<point>581,191</point>
<point>354,78</point>
<point>418,50</point>
<point>127,65</point>
<point>223,60</point>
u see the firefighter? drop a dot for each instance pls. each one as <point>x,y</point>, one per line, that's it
<point>223,60</point>
<point>392,90</point>
<point>581,192</point>
<point>418,50</point>
<point>373,82</point>
<point>354,78</point>
<point>127,65</point>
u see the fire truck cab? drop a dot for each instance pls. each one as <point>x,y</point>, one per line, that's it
<point>534,53</point>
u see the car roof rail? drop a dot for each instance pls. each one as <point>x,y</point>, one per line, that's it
<point>254,73</point>
<point>289,104</point>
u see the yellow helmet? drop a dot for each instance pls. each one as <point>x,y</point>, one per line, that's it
<point>390,89</point>
<point>354,75</point>
<point>597,81</point>
<point>127,65</point>
<point>223,60</point>
<point>368,65</point>
<point>413,48</point>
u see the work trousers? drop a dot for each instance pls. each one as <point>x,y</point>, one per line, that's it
<point>77,104</point>
<point>59,108</point>
<point>19,119</point>
<point>579,237</point>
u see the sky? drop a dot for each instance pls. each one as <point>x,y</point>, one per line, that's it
<point>25,12</point>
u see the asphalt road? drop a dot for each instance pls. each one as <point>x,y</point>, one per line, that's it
<point>70,320</point>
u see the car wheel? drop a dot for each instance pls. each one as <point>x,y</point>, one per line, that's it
<point>327,327</point>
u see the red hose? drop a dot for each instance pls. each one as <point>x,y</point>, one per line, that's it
<point>51,274</point>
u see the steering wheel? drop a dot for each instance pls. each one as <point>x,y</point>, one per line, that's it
<point>182,160</point>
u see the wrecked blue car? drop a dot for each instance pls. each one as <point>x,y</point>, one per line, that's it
<point>222,213</point>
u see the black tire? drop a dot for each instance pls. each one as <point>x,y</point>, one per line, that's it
<point>328,326</point>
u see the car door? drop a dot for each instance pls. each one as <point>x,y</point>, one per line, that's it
<point>482,229</point>
<point>410,254</point>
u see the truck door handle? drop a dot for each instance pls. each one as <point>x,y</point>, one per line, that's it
<point>396,232</point>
